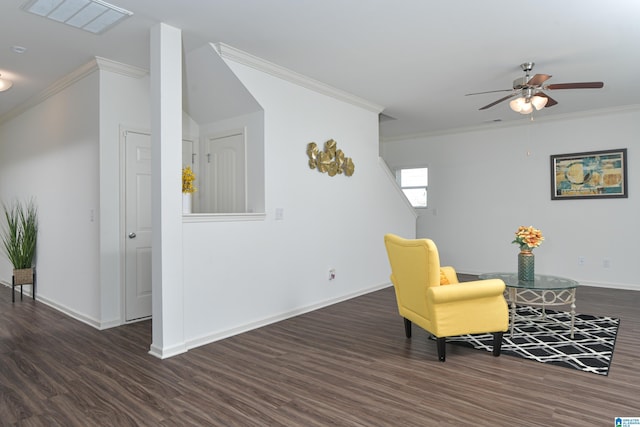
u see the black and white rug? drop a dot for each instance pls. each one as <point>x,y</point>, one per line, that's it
<point>548,340</point>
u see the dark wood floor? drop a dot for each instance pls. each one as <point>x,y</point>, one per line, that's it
<point>345,365</point>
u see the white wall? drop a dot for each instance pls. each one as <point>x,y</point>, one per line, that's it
<point>124,105</point>
<point>65,152</point>
<point>484,184</point>
<point>240,275</point>
<point>50,153</point>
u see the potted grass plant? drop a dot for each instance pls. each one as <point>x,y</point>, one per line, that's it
<point>19,238</point>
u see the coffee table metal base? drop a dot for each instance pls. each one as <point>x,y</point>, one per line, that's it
<point>541,298</point>
<point>543,291</point>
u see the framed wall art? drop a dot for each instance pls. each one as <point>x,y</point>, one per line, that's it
<point>590,175</point>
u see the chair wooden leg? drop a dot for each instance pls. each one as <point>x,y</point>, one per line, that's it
<point>497,343</point>
<point>441,341</point>
<point>407,327</point>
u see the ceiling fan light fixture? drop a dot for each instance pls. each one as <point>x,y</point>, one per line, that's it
<point>529,91</point>
<point>5,84</point>
<point>521,105</point>
<point>539,102</point>
<point>517,104</point>
<point>526,104</point>
<point>527,108</point>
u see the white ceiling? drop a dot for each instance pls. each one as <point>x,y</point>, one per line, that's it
<point>416,58</point>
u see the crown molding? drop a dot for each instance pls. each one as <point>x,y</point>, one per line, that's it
<point>117,67</point>
<point>78,74</point>
<point>517,123</point>
<point>236,55</point>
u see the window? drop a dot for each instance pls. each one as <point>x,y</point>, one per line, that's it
<point>414,185</point>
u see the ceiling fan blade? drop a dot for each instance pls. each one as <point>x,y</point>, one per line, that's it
<point>583,85</point>
<point>498,101</point>
<point>550,101</point>
<point>490,91</point>
<point>538,79</point>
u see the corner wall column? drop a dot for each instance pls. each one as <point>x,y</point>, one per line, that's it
<point>166,191</point>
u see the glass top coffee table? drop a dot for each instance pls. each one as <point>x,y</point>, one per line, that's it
<point>543,291</point>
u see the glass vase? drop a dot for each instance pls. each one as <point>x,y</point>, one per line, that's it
<point>526,264</point>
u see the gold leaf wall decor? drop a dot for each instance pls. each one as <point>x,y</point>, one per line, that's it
<point>312,152</point>
<point>331,160</point>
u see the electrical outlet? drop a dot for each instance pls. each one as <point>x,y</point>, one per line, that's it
<point>580,260</point>
<point>332,273</point>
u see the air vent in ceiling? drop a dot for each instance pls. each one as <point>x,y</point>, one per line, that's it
<point>94,16</point>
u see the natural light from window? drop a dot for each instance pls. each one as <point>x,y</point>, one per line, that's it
<point>414,182</point>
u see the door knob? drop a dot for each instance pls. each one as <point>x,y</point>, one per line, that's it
<point>132,235</point>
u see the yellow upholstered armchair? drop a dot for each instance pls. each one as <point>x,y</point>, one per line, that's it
<point>443,310</point>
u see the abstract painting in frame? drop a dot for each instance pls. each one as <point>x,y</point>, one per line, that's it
<point>590,175</point>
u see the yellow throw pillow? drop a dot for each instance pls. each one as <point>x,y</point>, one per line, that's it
<point>443,278</point>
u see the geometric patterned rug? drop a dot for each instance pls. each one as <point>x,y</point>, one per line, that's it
<point>548,340</point>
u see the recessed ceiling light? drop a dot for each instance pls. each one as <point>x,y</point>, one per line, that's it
<point>95,16</point>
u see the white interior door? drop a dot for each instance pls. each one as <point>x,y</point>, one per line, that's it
<point>137,225</point>
<point>224,167</point>
<point>188,154</point>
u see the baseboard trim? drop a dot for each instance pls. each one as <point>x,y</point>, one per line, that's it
<point>65,310</point>
<point>210,338</point>
<point>165,353</point>
<point>110,324</point>
<point>162,353</point>
<point>95,323</point>
<point>621,286</point>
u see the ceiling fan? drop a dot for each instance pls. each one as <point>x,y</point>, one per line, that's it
<point>529,91</point>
